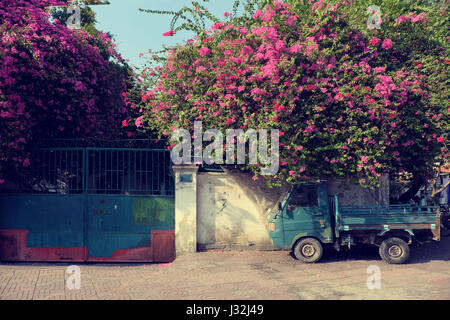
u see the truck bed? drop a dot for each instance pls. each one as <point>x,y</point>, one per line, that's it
<point>385,218</point>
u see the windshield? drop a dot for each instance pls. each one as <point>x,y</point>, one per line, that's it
<point>282,199</point>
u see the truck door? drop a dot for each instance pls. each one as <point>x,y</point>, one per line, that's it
<point>306,214</point>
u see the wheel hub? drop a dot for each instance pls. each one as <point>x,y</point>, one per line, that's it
<point>395,251</point>
<point>308,250</point>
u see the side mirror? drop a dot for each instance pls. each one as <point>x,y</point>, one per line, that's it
<point>279,206</point>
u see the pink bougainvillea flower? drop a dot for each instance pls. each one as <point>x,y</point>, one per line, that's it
<point>138,122</point>
<point>200,69</point>
<point>217,26</point>
<point>402,19</point>
<point>295,49</point>
<point>374,41</point>
<point>229,122</point>
<point>387,44</point>
<point>416,18</point>
<point>5,114</point>
<point>26,162</point>
<point>205,51</point>
<point>309,129</point>
<point>79,86</point>
<point>169,33</point>
<point>256,91</point>
<point>338,97</point>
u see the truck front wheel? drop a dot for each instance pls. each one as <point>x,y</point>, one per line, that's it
<point>308,250</point>
<point>394,251</point>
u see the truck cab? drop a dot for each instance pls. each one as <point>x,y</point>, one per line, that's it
<point>304,212</point>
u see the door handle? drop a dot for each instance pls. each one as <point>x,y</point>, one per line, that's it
<point>318,213</point>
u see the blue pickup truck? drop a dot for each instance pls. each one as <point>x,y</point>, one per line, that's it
<point>306,219</point>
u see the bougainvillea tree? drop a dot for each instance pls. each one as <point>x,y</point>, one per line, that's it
<point>55,82</point>
<point>348,102</point>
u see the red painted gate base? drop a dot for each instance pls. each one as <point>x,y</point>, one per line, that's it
<point>13,247</point>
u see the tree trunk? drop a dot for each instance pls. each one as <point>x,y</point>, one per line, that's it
<point>417,183</point>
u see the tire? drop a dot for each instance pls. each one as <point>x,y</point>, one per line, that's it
<point>394,251</point>
<point>308,250</point>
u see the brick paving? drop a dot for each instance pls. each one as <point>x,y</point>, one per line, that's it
<point>262,275</point>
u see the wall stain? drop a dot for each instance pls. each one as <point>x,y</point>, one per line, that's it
<point>147,211</point>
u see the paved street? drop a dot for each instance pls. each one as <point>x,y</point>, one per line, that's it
<point>240,275</point>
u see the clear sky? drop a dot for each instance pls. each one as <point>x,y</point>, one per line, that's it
<point>136,32</point>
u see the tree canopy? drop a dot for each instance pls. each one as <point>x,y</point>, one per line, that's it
<point>349,101</point>
<point>55,82</point>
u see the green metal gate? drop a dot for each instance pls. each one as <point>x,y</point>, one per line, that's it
<point>91,204</point>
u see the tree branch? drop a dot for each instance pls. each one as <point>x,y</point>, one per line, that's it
<point>436,192</point>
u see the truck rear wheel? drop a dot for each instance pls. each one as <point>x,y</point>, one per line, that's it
<point>394,251</point>
<point>308,250</point>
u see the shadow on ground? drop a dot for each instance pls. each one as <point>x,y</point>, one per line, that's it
<point>431,251</point>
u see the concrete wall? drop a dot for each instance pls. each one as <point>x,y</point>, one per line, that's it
<point>229,214</point>
<point>352,194</point>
